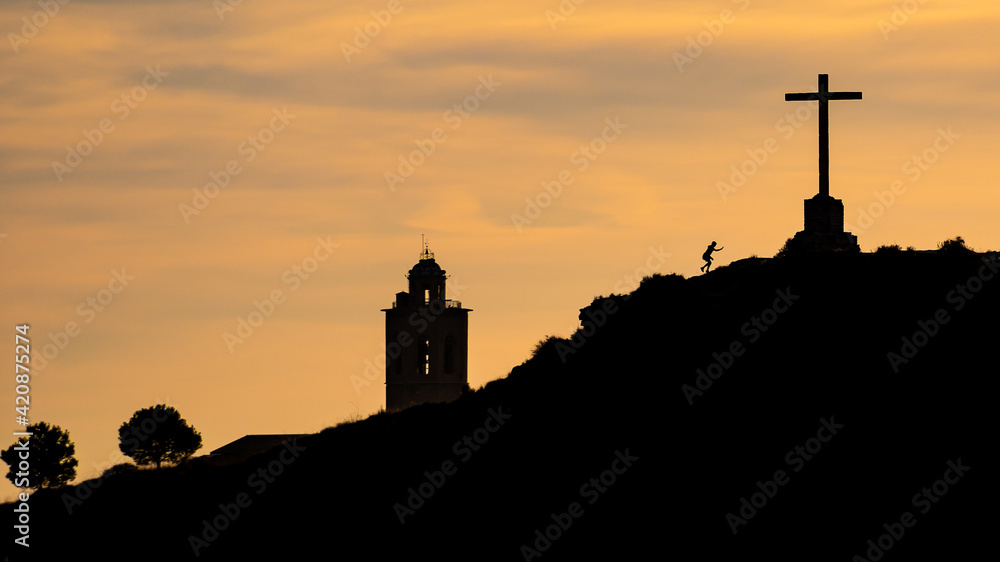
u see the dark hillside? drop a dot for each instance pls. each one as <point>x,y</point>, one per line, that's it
<point>801,360</point>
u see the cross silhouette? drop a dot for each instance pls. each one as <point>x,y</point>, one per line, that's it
<point>823,96</point>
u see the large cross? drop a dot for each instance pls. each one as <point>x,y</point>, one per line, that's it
<point>823,96</point>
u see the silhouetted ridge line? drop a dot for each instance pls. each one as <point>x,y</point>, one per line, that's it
<point>783,344</point>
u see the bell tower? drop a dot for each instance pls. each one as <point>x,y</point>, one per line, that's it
<point>426,339</point>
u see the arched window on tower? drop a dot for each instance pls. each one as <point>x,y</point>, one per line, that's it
<point>424,360</point>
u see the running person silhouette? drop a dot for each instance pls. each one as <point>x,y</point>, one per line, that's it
<point>707,256</point>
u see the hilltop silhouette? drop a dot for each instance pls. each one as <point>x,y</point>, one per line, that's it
<point>645,435</point>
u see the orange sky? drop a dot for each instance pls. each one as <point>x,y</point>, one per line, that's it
<point>309,116</point>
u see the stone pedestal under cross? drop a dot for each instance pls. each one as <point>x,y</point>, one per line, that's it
<point>824,215</point>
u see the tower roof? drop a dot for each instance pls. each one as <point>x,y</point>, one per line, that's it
<point>426,267</point>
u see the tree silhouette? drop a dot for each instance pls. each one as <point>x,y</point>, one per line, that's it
<point>49,455</point>
<point>889,249</point>
<point>786,249</point>
<point>156,435</point>
<point>954,245</point>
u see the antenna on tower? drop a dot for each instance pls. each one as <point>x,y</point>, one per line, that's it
<point>425,253</point>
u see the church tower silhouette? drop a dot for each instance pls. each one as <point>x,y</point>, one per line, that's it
<point>427,340</point>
